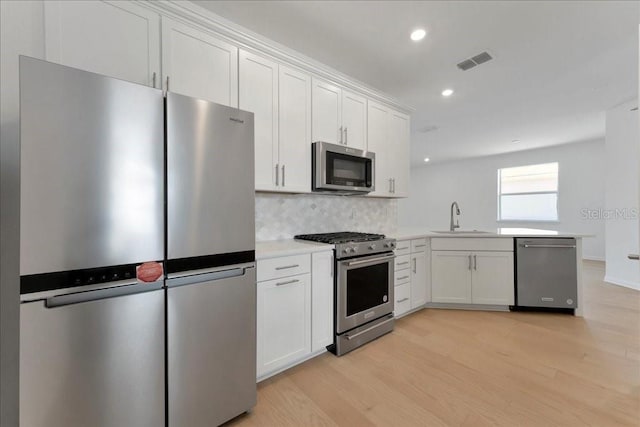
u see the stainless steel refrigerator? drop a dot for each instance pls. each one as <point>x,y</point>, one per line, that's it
<point>137,254</point>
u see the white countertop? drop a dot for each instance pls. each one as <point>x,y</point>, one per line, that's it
<point>418,232</point>
<point>279,248</point>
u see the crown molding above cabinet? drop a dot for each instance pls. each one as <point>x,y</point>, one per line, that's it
<point>193,14</point>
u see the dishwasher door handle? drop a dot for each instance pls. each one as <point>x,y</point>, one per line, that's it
<point>550,246</point>
<point>118,291</point>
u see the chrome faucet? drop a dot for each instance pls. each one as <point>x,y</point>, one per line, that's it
<point>457,223</point>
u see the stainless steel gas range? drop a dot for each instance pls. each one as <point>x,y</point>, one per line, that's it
<point>363,287</point>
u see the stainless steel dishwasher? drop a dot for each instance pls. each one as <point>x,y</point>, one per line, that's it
<point>546,273</point>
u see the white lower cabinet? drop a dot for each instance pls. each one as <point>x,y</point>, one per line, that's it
<point>284,322</point>
<point>472,277</point>
<point>412,282</point>
<point>294,309</point>
<point>321,300</point>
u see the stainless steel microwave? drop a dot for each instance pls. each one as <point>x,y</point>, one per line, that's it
<point>341,169</point>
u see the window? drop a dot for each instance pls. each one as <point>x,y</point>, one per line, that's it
<point>528,193</point>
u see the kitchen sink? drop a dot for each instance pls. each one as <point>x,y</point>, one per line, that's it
<point>462,232</point>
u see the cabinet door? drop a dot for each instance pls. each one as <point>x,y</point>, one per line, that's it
<point>284,322</point>
<point>493,279</point>
<point>326,112</point>
<point>258,84</point>
<point>418,279</point>
<point>295,130</point>
<point>117,39</point>
<point>451,276</point>
<point>378,142</point>
<point>198,64</point>
<point>354,120</point>
<point>399,150</point>
<point>322,300</point>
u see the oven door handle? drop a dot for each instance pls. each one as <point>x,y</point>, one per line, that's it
<point>370,260</point>
<point>357,334</point>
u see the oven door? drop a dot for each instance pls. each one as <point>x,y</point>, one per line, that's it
<point>364,290</point>
<point>340,168</point>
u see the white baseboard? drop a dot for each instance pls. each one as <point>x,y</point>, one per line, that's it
<point>592,258</point>
<point>622,282</point>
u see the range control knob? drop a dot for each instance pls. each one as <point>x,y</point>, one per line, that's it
<point>354,249</point>
<point>372,246</point>
<point>345,251</point>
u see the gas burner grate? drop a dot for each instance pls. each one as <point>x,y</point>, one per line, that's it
<point>341,237</point>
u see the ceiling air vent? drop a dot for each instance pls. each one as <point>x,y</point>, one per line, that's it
<point>480,58</point>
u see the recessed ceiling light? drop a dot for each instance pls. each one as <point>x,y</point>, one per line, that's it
<point>447,92</point>
<point>418,34</point>
<point>515,141</point>
<point>426,159</point>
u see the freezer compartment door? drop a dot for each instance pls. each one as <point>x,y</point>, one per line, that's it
<point>92,170</point>
<point>546,273</point>
<point>212,348</point>
<point>95,363</point>
<point>210,179</point>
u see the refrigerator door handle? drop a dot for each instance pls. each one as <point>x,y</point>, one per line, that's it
<point>207,277</point>
<point>80,297</point>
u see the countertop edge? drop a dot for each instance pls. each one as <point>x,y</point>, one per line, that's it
<point>280,248</point>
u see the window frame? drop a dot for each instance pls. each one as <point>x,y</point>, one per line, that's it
<point>557,193</point>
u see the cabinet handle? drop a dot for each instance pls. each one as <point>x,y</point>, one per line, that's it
<point>403,300</point>
<point>277,175</point>
<point>469,262</point>
<point>287,267</point>
<point>475,262</point>
<point>167,83</point>
<point>394,186</point>
<point>346,136</point>
<point>288,282</point>
<point>153,79</point>
<point>415,265</point>
<point>283,176</point>
<point>390,185</point>
<point>633,257</point>
<point>420,246</point>
<point>340,134</point>
<point>403,277</point>
<point>402,263</point>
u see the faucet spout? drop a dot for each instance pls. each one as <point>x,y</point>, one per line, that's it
<point>453,225</point>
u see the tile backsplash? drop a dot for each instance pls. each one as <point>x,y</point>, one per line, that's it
<point>281,216</point>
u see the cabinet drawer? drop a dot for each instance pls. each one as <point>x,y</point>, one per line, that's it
<point>402,299</point>
<point>402,262</point>
<point>401,277</point>
<point>274,268</point>
<point>403,247</point>
<point>419,245</point>
<point>472,244</point>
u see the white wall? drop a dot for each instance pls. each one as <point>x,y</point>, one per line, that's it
<point>622,182</point>
<point>21,34</point>
<point>473,184</point>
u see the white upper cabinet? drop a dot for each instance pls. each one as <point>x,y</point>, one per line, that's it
<point>295,131</point>
<point>388,138</point>
<point>258,84</point>
<point>339,116</point>
<point>197,64</point>
<point>326,112</point>
<point>378,142</point>
<point>399,147</point>
<point>280,98</point>
<point>354,120</point>
<point>117,39</point>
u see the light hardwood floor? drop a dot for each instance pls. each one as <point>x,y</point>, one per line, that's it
<point>471,368</point>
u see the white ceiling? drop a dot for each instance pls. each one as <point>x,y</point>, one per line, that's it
<point>558,65</point>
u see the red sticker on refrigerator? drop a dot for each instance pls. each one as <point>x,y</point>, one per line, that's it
<point>149,271</point>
